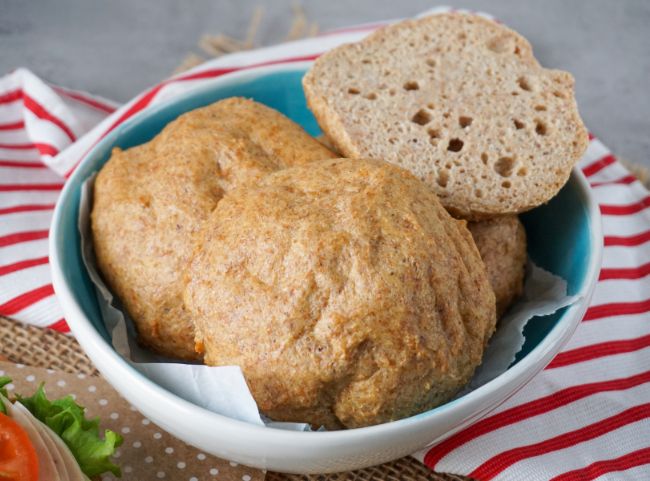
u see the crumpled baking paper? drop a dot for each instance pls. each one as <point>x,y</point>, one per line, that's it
<point>223,390</point>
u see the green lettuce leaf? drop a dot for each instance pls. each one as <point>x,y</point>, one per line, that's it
<point>67,419</point>
<point>4,380</point>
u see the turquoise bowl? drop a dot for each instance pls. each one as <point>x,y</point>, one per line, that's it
<point>564,237</point>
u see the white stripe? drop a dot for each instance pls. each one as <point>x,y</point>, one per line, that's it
<point>620,327</point>
<point>622,256</point>
<point>13,175</point>
<point>11,199</point>
<point>13,136</point>
<point>42,313</point>
<point>24,251</point>
<point>621,290</point>
<point>21,221</point>
<point>16,283</point>
<point>626,225</point>
<point>17,154</point>
<point>12,111</point>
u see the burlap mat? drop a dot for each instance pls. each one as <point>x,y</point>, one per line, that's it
<point>49,349</point>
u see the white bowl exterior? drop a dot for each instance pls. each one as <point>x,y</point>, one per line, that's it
<point>321,452</point>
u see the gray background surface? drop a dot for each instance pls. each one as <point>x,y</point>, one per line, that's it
<point>117,48</point>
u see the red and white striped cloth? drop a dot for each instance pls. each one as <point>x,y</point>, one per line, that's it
<point>585,417</point>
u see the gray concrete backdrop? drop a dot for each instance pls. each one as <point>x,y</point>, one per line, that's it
<point>118,47</point>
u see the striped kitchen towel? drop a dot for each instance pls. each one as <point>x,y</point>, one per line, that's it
<point>585,417</point>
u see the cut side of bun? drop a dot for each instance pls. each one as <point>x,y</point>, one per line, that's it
<point>461,102</point>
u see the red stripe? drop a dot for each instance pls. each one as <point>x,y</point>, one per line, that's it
<point>599,468</point>
<point>11,96</point>
<point>41,113</point>
<point>26,208</point>
<point>25,300</point>
<point>148,96</point>
<point>625,272</point>
<point>625,209</point>
<point>19,237</point>
<point>85,100</point>
<point>60,326</point>
<point>528,410</point>
<point>17,146</point>
<point>44,149</point>
<point>627,180</point>
<point>492,467</point>
<point>594,351</point>
<point>13,126</point>
<point>21,187</point>
<point>616,309</point>
<point>599,165</point>
<point>634,240</point>
<point>22,164</point>
<point>19,266</point>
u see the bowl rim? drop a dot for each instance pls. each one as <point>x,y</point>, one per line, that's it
<point>103,353</point>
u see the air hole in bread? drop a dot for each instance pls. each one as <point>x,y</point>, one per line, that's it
<point>484,158</point>
<point>392,140</point>
<point>431,62</point>
<point>514,94</point>
<point>504,166</point>
<point>540,127</point>
<point>558,94</point>
<point>411,85</point>
<point>434,133</point>
<point>540,108</point>
<point>462,36</point>
<point>443,178</point>
<point>506,184</point>
<point>517,51</point>
<point>455,145</point>
<point>391,92</point>
<point>478,193</point>
<point>522,171</point>
<point>518,124</point>
<point>465,121</point>
<point>421,117</point>
<point>371,96</point>
<point>354,91</point>
<point>430,106</point>
<point>366,61</point>
<point>524,84</point>
<point>448,165</point>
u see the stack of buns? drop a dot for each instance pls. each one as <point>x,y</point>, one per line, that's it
<point>359,284</point>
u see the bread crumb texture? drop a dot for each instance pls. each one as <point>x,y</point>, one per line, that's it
<point>461,102</point>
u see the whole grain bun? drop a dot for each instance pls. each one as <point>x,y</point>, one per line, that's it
<point>150,203</point>
<point>461,102</point>
<point>344,290</point>
<point>502,244</point>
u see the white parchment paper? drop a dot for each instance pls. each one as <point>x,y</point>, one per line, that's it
<point>223,390</point>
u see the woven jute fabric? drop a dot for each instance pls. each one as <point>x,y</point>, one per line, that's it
<point>49,349</point>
